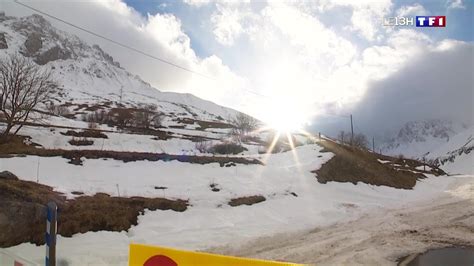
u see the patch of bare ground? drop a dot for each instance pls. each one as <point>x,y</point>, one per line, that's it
<point>203,125</point>
<point>89,133</point>
<point>16,146</point>
<point>81,142</point>
<point>250,200</point>
<point>351,164</point>
<point>23,213</point>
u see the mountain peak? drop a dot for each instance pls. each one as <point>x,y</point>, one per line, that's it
<point>418,131</point>
<point>90,78</point>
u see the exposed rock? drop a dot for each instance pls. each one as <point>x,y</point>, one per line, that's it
<point>52,54</point>
<point>106,56</point>
<point>3,40</point>
<point>8,175</point>
<point>33,44</point>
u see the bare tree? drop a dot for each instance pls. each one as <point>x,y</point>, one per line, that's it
<point>203,146</point>
<point>147,116</point>
<point>360,140</point>
<point>23,85</point>
<point>243,125</point>
<point>342,137</point>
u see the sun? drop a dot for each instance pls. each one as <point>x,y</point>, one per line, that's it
<point>285,116</point>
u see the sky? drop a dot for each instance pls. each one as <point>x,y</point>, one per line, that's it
<point>293,63</point>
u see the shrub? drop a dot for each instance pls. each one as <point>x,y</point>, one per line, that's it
<point>243,125</point>
<point>59,110</point>
<point>98,116</point>
<point>227,148</point>
<point>343,137</point>
<point>360,140</point>
<point>203,146</point>
<point>146,117</point>
<point>92,125</point>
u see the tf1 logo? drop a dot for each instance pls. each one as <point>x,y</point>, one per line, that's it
<point>431,21</point>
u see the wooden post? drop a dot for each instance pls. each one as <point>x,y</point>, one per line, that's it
<point>352,131</point>
<point>37,170</point>
<point>51,227</point>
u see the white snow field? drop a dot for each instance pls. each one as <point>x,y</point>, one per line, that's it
<point>210,221</point>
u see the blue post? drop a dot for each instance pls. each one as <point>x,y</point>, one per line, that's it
<point>51,227</point>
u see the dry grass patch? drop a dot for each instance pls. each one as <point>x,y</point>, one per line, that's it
<point>23,212</point>
<point>81,142</point>
<point>250,200</point>
<point>17,146</point>
<point>354,165</point>
<point>102,212</point>
<point>85,134</point>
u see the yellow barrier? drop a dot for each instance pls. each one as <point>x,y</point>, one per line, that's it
<point>143,255</point>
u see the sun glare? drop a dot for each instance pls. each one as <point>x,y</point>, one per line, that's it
<point>285,117</point>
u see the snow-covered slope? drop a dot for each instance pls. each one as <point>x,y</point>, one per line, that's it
<point>457,155</point>
<point>445,143</point>
<point>89,76</point>
<point>417,138</point>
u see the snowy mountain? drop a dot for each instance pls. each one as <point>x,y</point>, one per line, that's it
<point>445,143</point>
<point>89,77</point>
<point>417,138</point>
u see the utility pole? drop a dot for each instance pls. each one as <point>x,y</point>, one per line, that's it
<point>352,131</point>
<point>373,145</point>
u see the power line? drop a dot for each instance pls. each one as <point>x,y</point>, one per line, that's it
<point>135,49</point>
<point>113,41</point>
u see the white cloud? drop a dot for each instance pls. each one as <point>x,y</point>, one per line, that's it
<point>160,35</point>
<point>197,3</point>
<point>227,24</point>
<point>306,32</point>
<point>301,60</point>
<point>284,50</point>
<point>366,14</point>
<point>453,4</point>
<point>413,10</point>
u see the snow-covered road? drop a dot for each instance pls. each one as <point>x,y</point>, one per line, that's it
<point>379,237</point>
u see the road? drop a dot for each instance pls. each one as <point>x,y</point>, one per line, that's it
<point>379,237</point>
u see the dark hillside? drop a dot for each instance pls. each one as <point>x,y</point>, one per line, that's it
<point>351,164</point>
